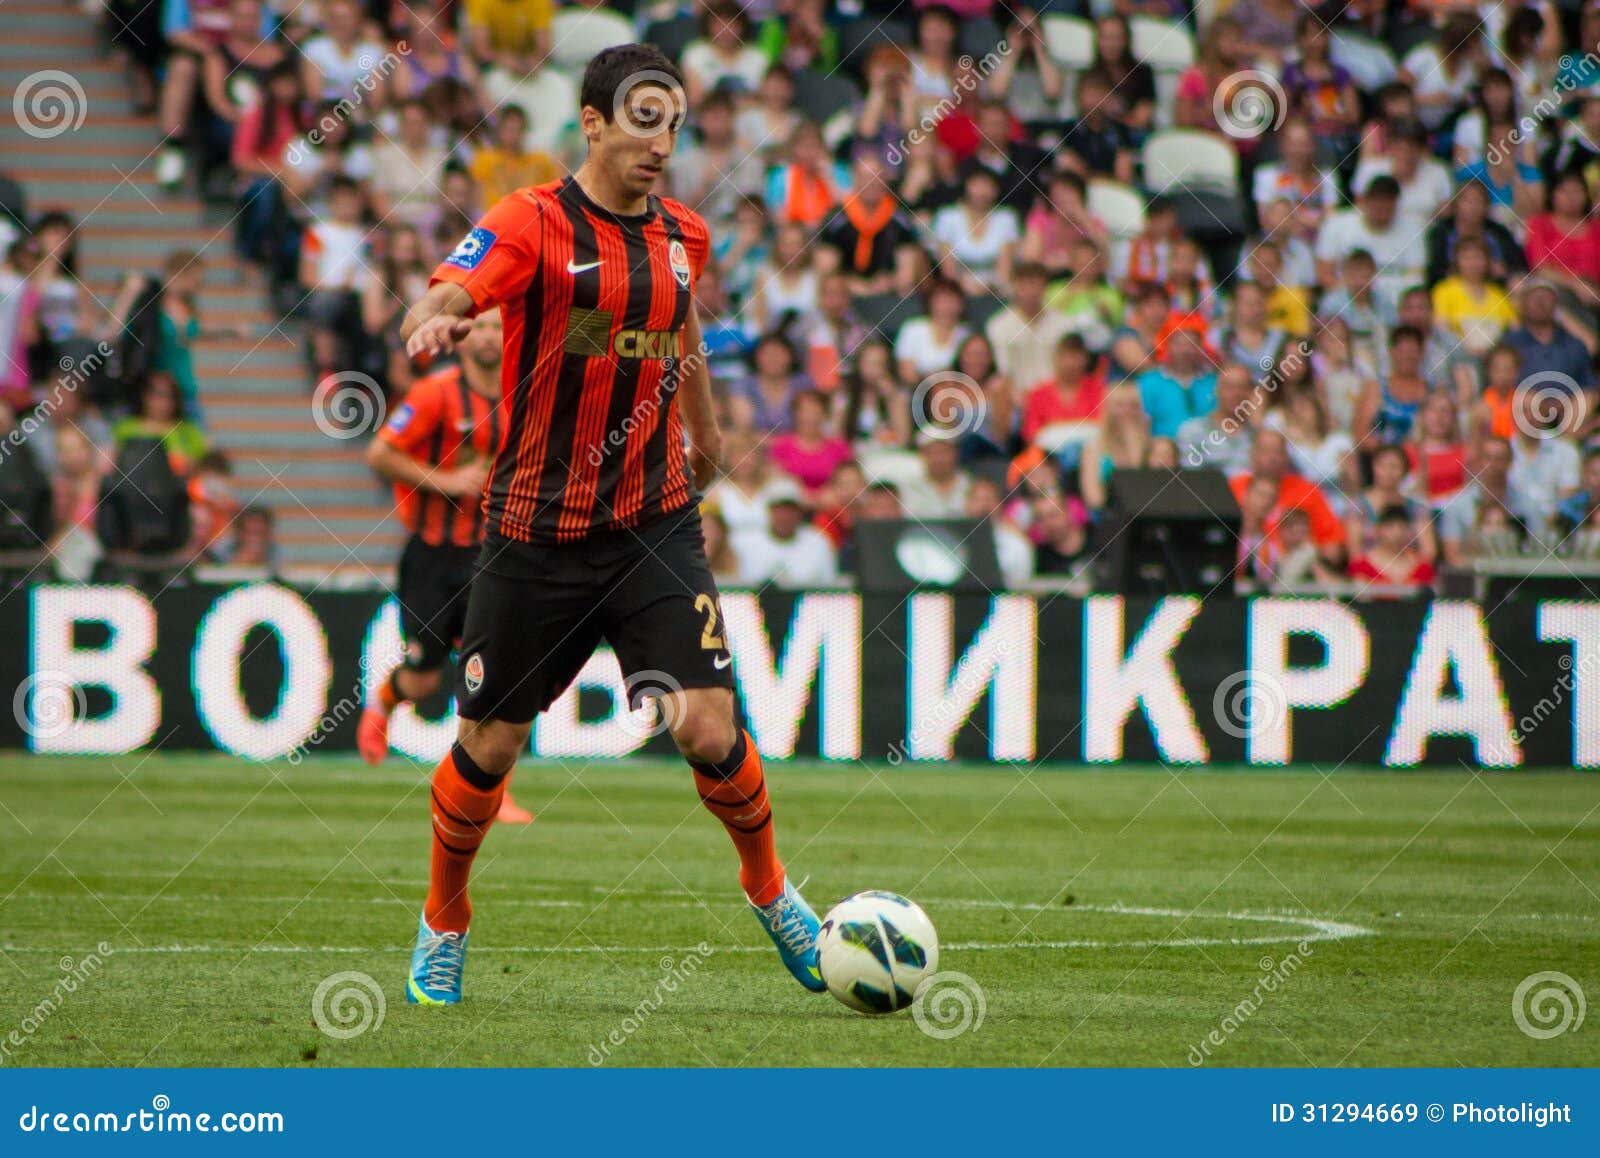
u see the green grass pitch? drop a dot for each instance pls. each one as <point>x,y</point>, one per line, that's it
<point>1110,917</point>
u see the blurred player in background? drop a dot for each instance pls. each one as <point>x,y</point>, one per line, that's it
<point>436,449</point>
<point>594,527</point>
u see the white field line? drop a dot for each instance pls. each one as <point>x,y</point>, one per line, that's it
<point>1296,928</point>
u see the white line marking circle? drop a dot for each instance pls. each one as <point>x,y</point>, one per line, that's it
<point>1301,927</point>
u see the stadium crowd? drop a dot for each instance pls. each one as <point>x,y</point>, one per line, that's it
<point>971,260</point>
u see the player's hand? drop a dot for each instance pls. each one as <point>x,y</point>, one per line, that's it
<point>464,481</point>
<point>705,460</point>
<point>437,335</point>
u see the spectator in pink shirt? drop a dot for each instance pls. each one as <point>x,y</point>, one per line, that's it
<point>811,451</point>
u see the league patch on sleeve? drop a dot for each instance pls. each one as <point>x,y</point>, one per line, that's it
<point>401,418</point>
<point>472,249</point>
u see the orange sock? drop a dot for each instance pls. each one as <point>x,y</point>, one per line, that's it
<point>735,792</point>
<point>463,810</point>
<point>389,694</point>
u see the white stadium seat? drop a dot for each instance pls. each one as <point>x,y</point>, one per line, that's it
<point>1120,207</point>
<point>1069,40</point>
<point>576,34</point>
<point>1190,159</point>
<point>1165,45</point>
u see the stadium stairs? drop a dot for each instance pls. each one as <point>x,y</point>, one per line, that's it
<point>332,518</point>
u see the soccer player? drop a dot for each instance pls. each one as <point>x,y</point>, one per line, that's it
<point>436,448</point>
<point>592,504</point>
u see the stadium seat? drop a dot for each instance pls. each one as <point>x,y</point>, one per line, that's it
<point>1205,11</point>
<point>550,97</point>
<point>979,36</point>
<point>1069,40</point>
<point>576,34</point>
<point>1370,62</point>
<point>857,38</point>
<point>673,36</point>
<point>1190,158</point>
<point>821,95</point>
<point>886,313</point>
<point>1120,207</point>
<point>1165,45</point>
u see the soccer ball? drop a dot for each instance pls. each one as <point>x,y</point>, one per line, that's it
<point>874,949</point>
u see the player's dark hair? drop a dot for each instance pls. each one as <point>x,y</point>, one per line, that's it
<point>612,69</point>
<point>1394,513</point>
<point>1407,334</point>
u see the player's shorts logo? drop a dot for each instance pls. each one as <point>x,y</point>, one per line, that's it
<point>474,672</point>
<point>679,257</point>
<point>471,251</point>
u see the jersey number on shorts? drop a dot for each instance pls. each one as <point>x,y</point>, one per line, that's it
<point>710,638</point>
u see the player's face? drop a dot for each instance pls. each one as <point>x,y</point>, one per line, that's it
<point>635,144</point>
<point>485,340</point>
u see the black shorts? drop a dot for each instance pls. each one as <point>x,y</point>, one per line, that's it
<point>432,591</point>
<point>538,612</point>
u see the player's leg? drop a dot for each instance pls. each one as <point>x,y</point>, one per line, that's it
<point>733,786</point>
<point>525,639</point>
<point>665,622</point>
<point>431,584</point>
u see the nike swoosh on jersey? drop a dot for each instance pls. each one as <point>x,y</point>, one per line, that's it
<point>588,265</point>
<point>722,662</point>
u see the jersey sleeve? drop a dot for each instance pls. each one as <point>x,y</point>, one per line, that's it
<point>496,260</point>
<point>415,419</point>
<point>697,240</point>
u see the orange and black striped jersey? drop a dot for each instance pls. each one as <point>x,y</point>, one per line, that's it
<point>444,423</point>
<point>594,305</point>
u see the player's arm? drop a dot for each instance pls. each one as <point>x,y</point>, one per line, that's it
<point>492,266</point>
<point>392,453</point>
<point>397,466</point>
<point>438,321</point>
<point>698,408</point>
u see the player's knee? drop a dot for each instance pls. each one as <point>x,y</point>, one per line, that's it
<point>704,735</point>
<point>494,745</point>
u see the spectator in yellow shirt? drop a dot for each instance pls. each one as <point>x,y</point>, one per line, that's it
<point>506,166</point>
<point>510,34</point>
<point>1474,307</point>
<point>1288,307</point>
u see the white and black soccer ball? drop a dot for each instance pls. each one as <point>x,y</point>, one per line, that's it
<point>874,949</point>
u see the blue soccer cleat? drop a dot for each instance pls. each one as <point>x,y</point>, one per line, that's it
<point>436,965</point>
<point>792,926</point>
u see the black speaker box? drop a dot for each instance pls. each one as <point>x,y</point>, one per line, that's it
<point>1167,532</point>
